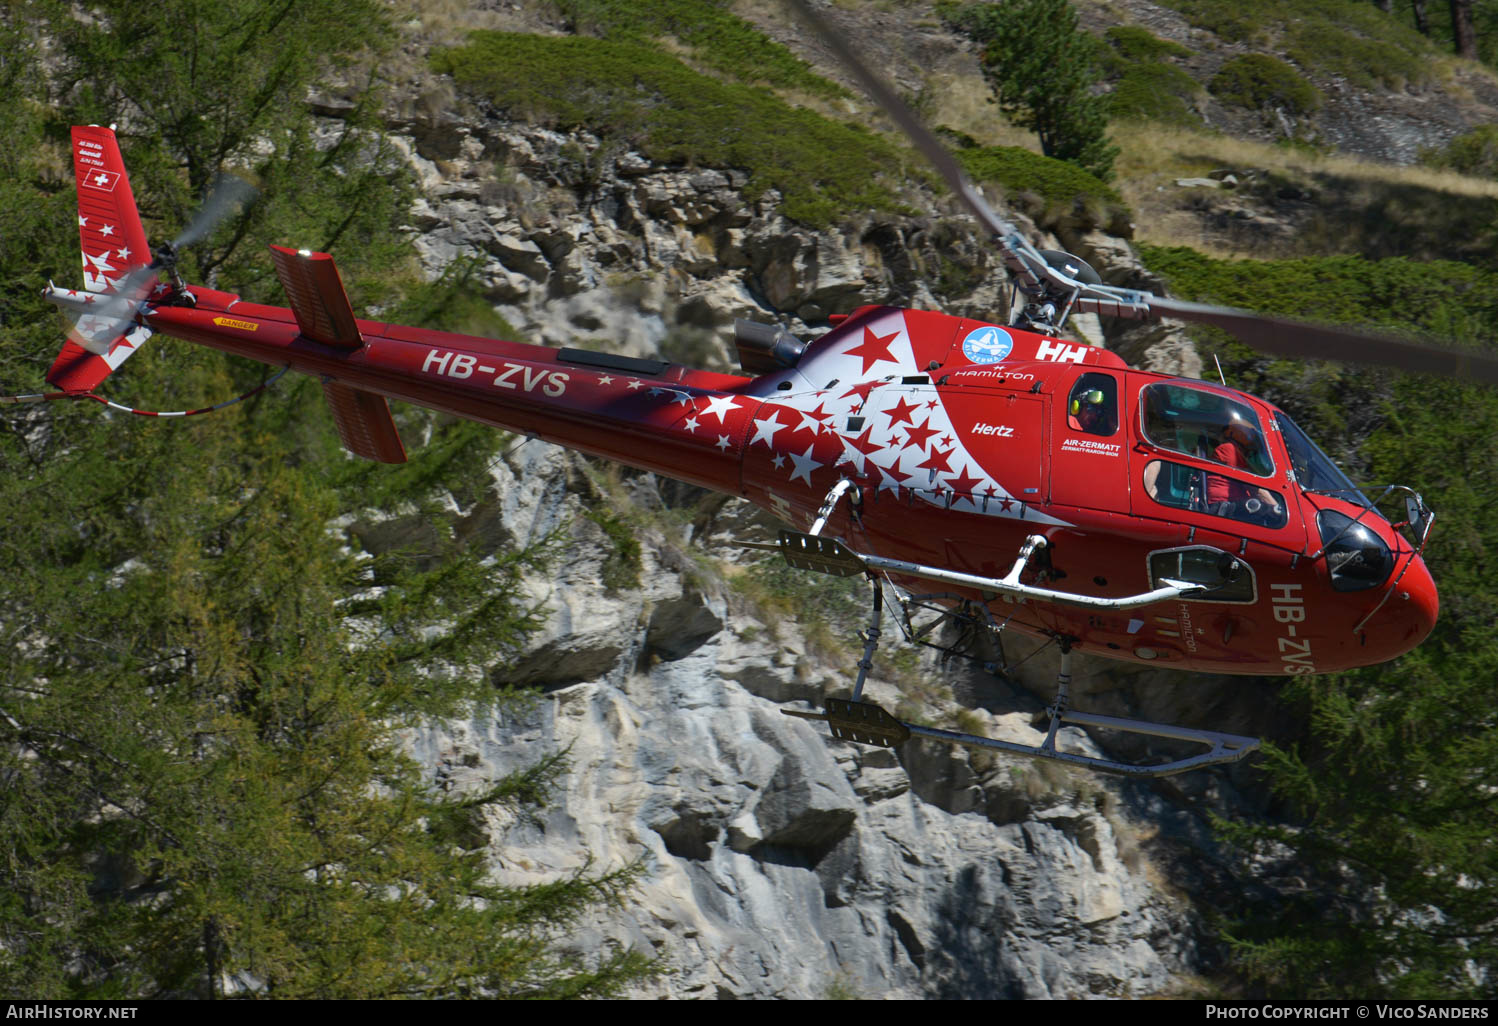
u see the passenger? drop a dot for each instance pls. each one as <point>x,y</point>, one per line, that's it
<point>1225,495</point>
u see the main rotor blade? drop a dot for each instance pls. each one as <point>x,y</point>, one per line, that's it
<point>229,193</point>
<point>1298,339</point>
<point>909,123</point>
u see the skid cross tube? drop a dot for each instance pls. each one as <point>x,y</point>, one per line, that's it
<point>867,723</point>
<point>830,555</point>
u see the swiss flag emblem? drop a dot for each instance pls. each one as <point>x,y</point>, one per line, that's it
<point>97,178</point>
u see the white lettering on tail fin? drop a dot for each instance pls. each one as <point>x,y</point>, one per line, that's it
<point>109,227</point>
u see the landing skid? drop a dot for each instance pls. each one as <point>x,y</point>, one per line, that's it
<point>868,723</point>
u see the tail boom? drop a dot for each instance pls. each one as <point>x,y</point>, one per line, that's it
<point>689,424</point>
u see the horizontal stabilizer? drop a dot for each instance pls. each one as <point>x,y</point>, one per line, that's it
<point>315,291</point>
<point>364,423</point>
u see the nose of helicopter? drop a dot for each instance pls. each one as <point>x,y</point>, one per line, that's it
<point>1409,614</point>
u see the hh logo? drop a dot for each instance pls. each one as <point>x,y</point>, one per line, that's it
<point>1060,352</point>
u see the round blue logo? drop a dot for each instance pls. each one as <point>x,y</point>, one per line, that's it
<point>987,344</point>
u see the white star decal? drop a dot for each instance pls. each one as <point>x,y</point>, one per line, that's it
<point>804,465</point>
<point>779,461</point>
<point>852,454</point>
<point>764,431</point>
<point>691,425</point>
<point>82,221</point>
<point>808,421</point>
<point>635,383</point>
<point>723,442</point>
<point>720,407</point>
<point>123,254</point>
<point>604,379</point>
<point>108,229</point>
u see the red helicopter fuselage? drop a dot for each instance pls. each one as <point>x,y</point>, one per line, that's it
<point>960,439</point>
<point>939,443</point>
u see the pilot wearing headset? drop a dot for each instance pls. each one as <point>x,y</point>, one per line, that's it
<point>1089,411</point>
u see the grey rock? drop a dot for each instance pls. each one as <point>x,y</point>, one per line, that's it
<point>518,254</point>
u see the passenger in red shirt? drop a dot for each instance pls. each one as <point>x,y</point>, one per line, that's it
<point>1230,497</point>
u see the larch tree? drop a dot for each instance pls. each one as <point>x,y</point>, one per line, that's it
<point>202,680</point>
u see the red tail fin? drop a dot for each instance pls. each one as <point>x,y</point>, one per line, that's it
<point>114,243</point>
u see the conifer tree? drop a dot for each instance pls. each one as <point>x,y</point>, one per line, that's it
<point>1043,71</point>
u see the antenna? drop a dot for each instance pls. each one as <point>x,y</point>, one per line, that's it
<point>1219,370</point>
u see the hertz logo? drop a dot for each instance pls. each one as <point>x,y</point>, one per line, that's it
<point>230,322</point>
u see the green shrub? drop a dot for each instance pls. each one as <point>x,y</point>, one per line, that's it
<point>1133,43</point>
<point>1056,181</point>
<point>1259,82</point>
<point>1474,152</point>
<point>621,568</point>
<point>1155,92</point>
<point>635,94</point>
<point>1355,40</point>
<point>717,38</point>
<point>1226,19</point>
<point>1364,62</point>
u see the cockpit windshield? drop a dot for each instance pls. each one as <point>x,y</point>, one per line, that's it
<point>1206,425</point>
<point>1314,469</point>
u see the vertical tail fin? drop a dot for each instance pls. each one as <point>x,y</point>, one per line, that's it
<point>114,245</point>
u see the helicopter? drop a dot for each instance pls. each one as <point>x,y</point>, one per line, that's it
<point>999,475</point>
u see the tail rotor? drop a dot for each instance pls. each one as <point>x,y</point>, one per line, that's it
<point>120,273</point>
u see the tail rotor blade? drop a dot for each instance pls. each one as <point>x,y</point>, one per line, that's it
<point>230,193</point>
<point>97,322</point>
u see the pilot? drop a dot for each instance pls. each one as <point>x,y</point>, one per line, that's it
<point>1232,498</point>
<point>1089,412</point>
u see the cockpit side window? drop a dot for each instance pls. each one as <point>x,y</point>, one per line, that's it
<point>1201,491</point>
<point>1092,407</point>
<point>1205,425</point>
